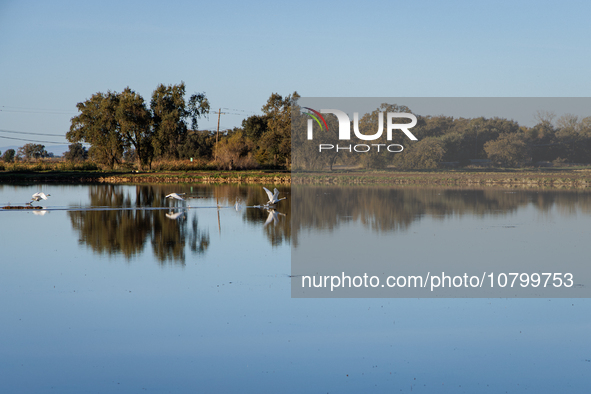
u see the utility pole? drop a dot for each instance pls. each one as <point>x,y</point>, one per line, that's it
<point>217,134</point>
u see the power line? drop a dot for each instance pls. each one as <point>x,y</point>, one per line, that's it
<point>24,132</point>
<point>22,139</point>
<point>240,110</point>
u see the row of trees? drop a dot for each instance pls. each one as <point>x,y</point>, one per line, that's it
<point>443,140</point>
<point>26,152</point>
<point>117,123</point>
<point>120,126</point>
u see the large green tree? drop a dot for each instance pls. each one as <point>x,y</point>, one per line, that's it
<point>277,138</point>
<point>97,125</point>
<point>170,116</point>
<point>135,125</point>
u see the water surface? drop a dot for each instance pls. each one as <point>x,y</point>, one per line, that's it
<point>105,293</point>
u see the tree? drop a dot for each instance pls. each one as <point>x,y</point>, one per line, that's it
<point>509,150</point>
<point>76,152</point>
<point>134,121</point>
<point>574,138</point>
<point>542,142</point>
<point>199,143</point>
<point>97,125</point>
<point>8,156</point>
<point>369,125</point>
<point>426,153</point>
<point>32,151</point>
<point>304,153</point>
<point>170,114</point>
<point>254,127</point>
<point>232,150</point>
<point>277,138</point>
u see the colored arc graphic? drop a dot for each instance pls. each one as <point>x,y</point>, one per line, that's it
<point>316,119</point>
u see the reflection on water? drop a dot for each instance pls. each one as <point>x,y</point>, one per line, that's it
<point>381,209</point>
<point>389,209</point>
<point>128,220</point>
<point>124,225</point>
<point>81,320</point>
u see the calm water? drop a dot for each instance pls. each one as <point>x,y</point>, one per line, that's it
<point>103,292</point>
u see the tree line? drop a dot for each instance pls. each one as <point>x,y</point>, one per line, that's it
<point>26,152</point>
<point>447,141</point>
<point>115,124</point>
<point>121,127</point>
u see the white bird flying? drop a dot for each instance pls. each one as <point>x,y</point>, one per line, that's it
<point>273,196</point>
<point>176,196</point>
<point>39,196</point>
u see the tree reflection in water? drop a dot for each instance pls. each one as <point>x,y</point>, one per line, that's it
<point>378,208</point>
<point>389,209</point>
<point>126,231</point>
<point>116,230</point>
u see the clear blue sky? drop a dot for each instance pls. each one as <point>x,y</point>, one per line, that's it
<point>55,54</point>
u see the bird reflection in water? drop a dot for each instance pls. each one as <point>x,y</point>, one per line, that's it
<point>174,215</point>
<point>273,217</point>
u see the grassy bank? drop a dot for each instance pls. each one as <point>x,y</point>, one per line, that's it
<point>574,177</point>
<point>268,177</point>
<point>546,177</point>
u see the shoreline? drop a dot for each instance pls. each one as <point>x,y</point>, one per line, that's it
<point>576,178</point>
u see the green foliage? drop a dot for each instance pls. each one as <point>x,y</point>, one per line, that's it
<point>32,151</point>
<point>424,154</point>
<point>509,150</point>
<point>117,123</point>
<point>97,125</point>
<point>369,124</point>
<point>135,126</point>
<point>169,117</point>
<point>76,152</point>
<point>198,144</point>
<point>307,156</point>
<point>182,165</point>
<point>114,123</point>
<point>50,166</point>
<point>276,140</point>
<point>8,156</point>
<point>254,127</point>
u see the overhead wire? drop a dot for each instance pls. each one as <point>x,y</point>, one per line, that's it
<point>24,132</point>
<point>3,108</point>
<point>27,140</point>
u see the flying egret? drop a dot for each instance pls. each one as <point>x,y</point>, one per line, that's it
<point>273,196</point>
<point>39,196</point>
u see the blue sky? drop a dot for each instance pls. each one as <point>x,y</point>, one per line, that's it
<point>55,54</point>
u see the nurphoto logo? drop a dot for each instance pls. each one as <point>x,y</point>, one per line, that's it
<point>345,130</point>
